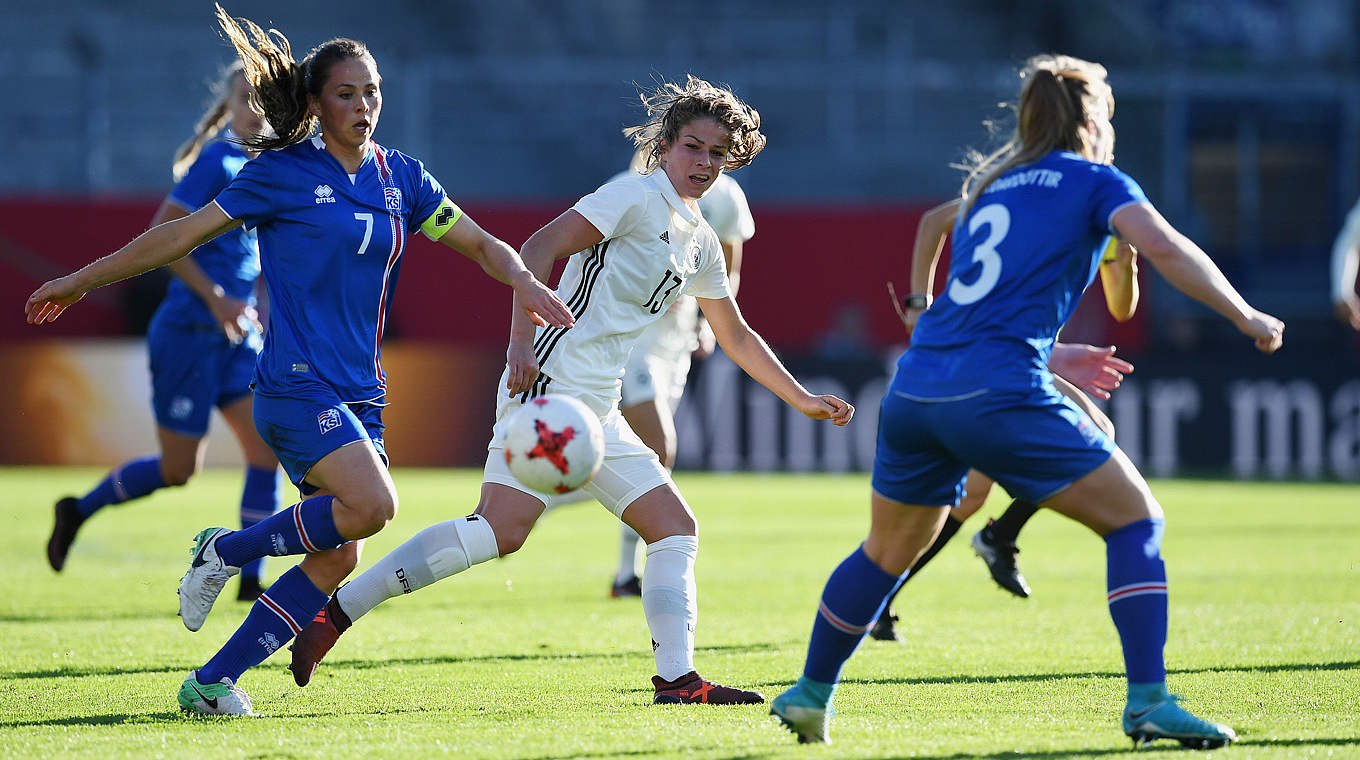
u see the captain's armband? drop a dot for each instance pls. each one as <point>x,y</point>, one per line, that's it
<point>442,219</point>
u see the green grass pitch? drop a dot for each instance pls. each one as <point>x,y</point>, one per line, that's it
<point>528,658</point>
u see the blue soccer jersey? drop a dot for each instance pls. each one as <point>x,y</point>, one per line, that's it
<point>231,260</point>
<point>1022,257</point>
<point>330,246</point>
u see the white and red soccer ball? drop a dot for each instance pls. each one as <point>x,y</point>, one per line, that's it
<point>554,444</point>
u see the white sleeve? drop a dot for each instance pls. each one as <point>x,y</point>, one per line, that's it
<point>725,209</point>
<point>711,279</point>
<point>615,207</point>
<point>1346,257</point>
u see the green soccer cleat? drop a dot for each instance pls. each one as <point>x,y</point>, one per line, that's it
<point>1167,720</point>
<point>220,698</point>
<point>803,715</point>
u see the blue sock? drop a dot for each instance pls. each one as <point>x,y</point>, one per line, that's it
<point>300,529</point>
<point>851,601</point>
<point>276,617</point>
<point>1136,579</point>
<point>259,500</point>
<point>131,480</point>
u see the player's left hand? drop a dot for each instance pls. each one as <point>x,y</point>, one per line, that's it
<point>1095,370</point>
<point>542,306</point>
<point>908,316</point>
<point>521,366</point>
<point>708,342</point>
<point>828,407</point>
<point>49,301</point>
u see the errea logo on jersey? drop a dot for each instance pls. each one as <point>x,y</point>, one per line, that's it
<point>324,194</point>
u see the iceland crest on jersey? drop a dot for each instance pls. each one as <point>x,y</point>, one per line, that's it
<point>392,195</point>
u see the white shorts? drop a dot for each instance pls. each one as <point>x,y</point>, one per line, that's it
<point>630,469</point>
<point>649,377</point>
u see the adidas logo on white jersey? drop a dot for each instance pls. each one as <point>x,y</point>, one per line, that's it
<point>324,194</point>
<point>666,237</point>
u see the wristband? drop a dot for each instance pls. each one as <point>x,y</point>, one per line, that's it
<point>917,301</point>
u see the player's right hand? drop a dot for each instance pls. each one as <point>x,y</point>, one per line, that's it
<point>521,366</point>
<point>1267,331</point>
<point>1348,311</point>
<point>49,301</point>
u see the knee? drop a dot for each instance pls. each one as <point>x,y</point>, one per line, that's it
<point>510,538</point>
<point>376,510</point>
<point>178,473</point>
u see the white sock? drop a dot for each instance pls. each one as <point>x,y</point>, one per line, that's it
<point>671,603</point>
<point>433,554</point>
<point>629,543</point>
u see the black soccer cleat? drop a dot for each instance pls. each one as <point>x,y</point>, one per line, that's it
<point>67,521</point>
<point>1000,559</point>
<point>630,587</point>
<point>885,628</point>
<point>249,590</point>
<point>692,689</point>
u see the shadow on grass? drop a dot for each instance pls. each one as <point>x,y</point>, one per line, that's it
<point>179,718</point>
<point>1064,754</point>
<point>1024,677</point>
<point>73,671</point>
<point>79,616</point>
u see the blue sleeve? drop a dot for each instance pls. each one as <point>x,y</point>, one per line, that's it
<point>249,197</point>
<point>204,180</point>
<point>428,195</point>
<point>1112,191</point>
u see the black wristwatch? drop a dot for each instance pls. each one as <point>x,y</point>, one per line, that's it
<point>915,301</point>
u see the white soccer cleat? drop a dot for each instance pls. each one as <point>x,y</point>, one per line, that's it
<point>220,698</point>
<point>199,587</point>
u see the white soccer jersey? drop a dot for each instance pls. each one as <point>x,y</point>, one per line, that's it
<point>654,251</point>
<point>675,335</point>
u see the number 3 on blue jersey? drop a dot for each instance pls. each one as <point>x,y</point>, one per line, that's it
<point>998,219</point>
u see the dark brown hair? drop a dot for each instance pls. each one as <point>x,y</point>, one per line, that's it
<point>671,106</point>
<point>282,84</point>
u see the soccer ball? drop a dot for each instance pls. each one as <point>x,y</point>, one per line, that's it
<point>554,444</point>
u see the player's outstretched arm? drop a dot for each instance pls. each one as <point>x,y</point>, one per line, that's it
<point>539,304</point>
<point>156,247</point>
<point>931,231</point>
<point>1119,279</point>
<point>753,355</point>
<point>569,233</point>
<point>1193,273</point>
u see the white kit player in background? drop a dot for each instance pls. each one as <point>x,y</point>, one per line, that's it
<point>658,368</point>
<point>1345,268</point>
<point>634,247</point>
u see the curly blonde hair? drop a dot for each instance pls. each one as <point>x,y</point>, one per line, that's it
<point>671,106</point>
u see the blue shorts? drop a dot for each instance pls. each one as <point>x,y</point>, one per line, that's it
<point>193,369</point>
<point>1034,442</point>
<point>303,431</point>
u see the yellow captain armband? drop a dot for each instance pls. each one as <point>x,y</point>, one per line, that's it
<point>442,219</point>
<point>1111,253</point>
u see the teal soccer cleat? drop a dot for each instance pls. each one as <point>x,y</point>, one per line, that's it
<point>1168,720</point>
<point>803,715</point>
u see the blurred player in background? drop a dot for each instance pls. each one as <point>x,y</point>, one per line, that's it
<point>973,390</point>
<point>635,246</point>
<point>202,341</point>
<point>1076,368</point>
<point>656,372</point>
<point>1345,269</point>
<point>332,213</point>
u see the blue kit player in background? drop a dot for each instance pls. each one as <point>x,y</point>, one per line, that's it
<point>332,212</point>
<point>973,390</point>
<point>203,341</point>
